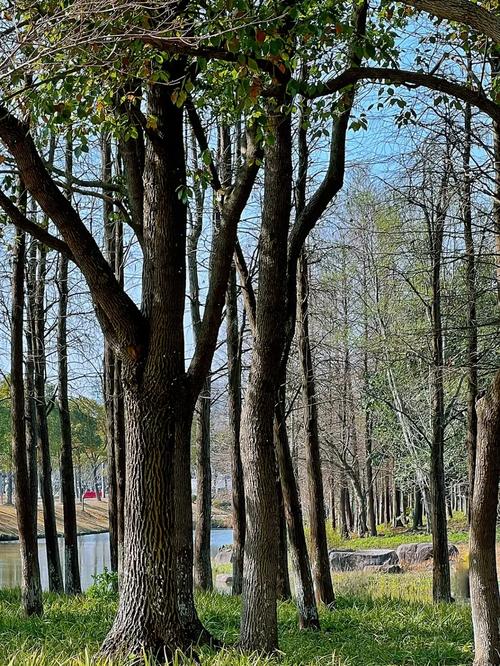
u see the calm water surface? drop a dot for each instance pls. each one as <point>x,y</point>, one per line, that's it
<point>94,556</point>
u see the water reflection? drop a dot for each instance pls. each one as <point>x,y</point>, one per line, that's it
<point>93,554</point>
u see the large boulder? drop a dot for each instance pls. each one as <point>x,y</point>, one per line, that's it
<point>224,555</point>
<point>417,553</point>
<point>357,560</point>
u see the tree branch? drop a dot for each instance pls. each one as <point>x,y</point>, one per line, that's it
<point>476,17</point>
<point>408,78</point>
<point>222,253</point>
<point>24,224</point>
<point>122,320</point>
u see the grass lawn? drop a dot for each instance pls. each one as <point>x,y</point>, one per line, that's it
<point>380,620</point>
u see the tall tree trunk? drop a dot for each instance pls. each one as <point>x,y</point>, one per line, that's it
<point>283,591</point>
<point>234,409</point>
<point>31,589</point>
<point>109,363</point>
<point>259,629</point>
<point>441,588</point>
<point>418,508</point>
<point>42,432</point>
<point>203,523</point>
<point>304,587</point>
<point>158,415</point>
<point>317,519</point>
<point>470,272</point>
<point>372,520</point>
<point>483,575</point>
<point>71,565</point>
<point>9,487</point>
<point>30,405</point>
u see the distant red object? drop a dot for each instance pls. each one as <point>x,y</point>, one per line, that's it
<point>91,494</point>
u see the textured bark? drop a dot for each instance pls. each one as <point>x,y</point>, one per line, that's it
<point>483,575</point>
<point>234,410</point>
<point>372,520</point>
<point>148,614</point>
<point>31,589</point>
<point>317,519</point>
<point>343,508</point>
<point>72,583</point>
<point>259,621</point>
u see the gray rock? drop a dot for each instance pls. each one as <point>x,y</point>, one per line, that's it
<point>356,560</point>
<point>417,553</point>
<point>224,555</point>
<point>223,580</point>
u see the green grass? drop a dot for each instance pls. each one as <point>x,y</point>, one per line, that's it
<point>389,537</point>
<point>380,620</point>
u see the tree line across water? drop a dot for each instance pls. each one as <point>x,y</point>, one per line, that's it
<point>177,156</point>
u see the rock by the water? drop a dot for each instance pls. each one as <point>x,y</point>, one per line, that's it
<point>417,553</point>
<point>356,560</point>
<point>224,555</point>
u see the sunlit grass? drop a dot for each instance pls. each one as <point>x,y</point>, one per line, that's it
<point>380,620</point>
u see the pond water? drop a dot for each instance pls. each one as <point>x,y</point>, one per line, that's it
<point>93,552</point>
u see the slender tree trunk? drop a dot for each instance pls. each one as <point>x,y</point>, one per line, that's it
<point>203,524</point>
<point>470,272</point>
<point>259,629</point>
<point>304,588</point>
<point>372,520</point>
<point>483,575</point>
<point>71,565</point>
<point>30,406</point>
<point>9,487</point>
<point>418,508</point>
<point>31,589</point>
<point>317,519</point>
<point>234,409</point>
<point>46,489</point>
<point>344,500</point>
<point>441,588</point>
<point>283,591</point>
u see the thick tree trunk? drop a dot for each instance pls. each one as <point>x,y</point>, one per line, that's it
<point>483,575</point>
<point>259,622</point>
<point>157,559</point>
<point>31,589</point>
<point>234,410</point>
<point>317,519</point>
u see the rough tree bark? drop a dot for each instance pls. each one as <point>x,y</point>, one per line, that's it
<point>259,622</point>
<point>483,575</point>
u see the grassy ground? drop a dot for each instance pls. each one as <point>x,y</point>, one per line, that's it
<point>380,620</point>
